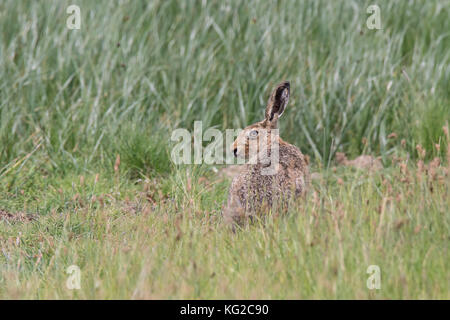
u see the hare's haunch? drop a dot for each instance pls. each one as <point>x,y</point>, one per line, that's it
<point>275,171</point>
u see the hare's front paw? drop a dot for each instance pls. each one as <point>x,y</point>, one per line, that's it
<point>234,211</point>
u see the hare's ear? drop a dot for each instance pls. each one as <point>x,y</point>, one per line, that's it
<point>278,101</point>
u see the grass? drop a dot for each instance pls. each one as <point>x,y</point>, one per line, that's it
<point>74,102</point>
<point>131,240</point>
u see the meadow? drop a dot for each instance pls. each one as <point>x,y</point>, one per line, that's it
<point>86,176</point>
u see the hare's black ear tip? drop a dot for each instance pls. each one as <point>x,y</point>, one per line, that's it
<point>285,84</point>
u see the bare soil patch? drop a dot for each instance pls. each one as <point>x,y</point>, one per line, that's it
<point>16,216</point>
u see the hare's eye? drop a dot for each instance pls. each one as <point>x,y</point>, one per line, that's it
<point>253,134</point>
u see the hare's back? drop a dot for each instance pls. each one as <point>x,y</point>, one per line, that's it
<point>294,171</point>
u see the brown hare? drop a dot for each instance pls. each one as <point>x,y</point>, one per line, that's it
<point>275,171</point>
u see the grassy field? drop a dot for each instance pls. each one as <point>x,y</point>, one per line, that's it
<point>86,177</point>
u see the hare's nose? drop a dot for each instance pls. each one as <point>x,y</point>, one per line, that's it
<point>235,152</point>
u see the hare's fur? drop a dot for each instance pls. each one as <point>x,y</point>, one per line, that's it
<point>252,192</point>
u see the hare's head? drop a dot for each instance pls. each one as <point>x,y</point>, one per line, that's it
<point>255,140</point>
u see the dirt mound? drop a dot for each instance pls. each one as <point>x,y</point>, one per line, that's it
<point>231,171</point>
<point>363,162</point>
